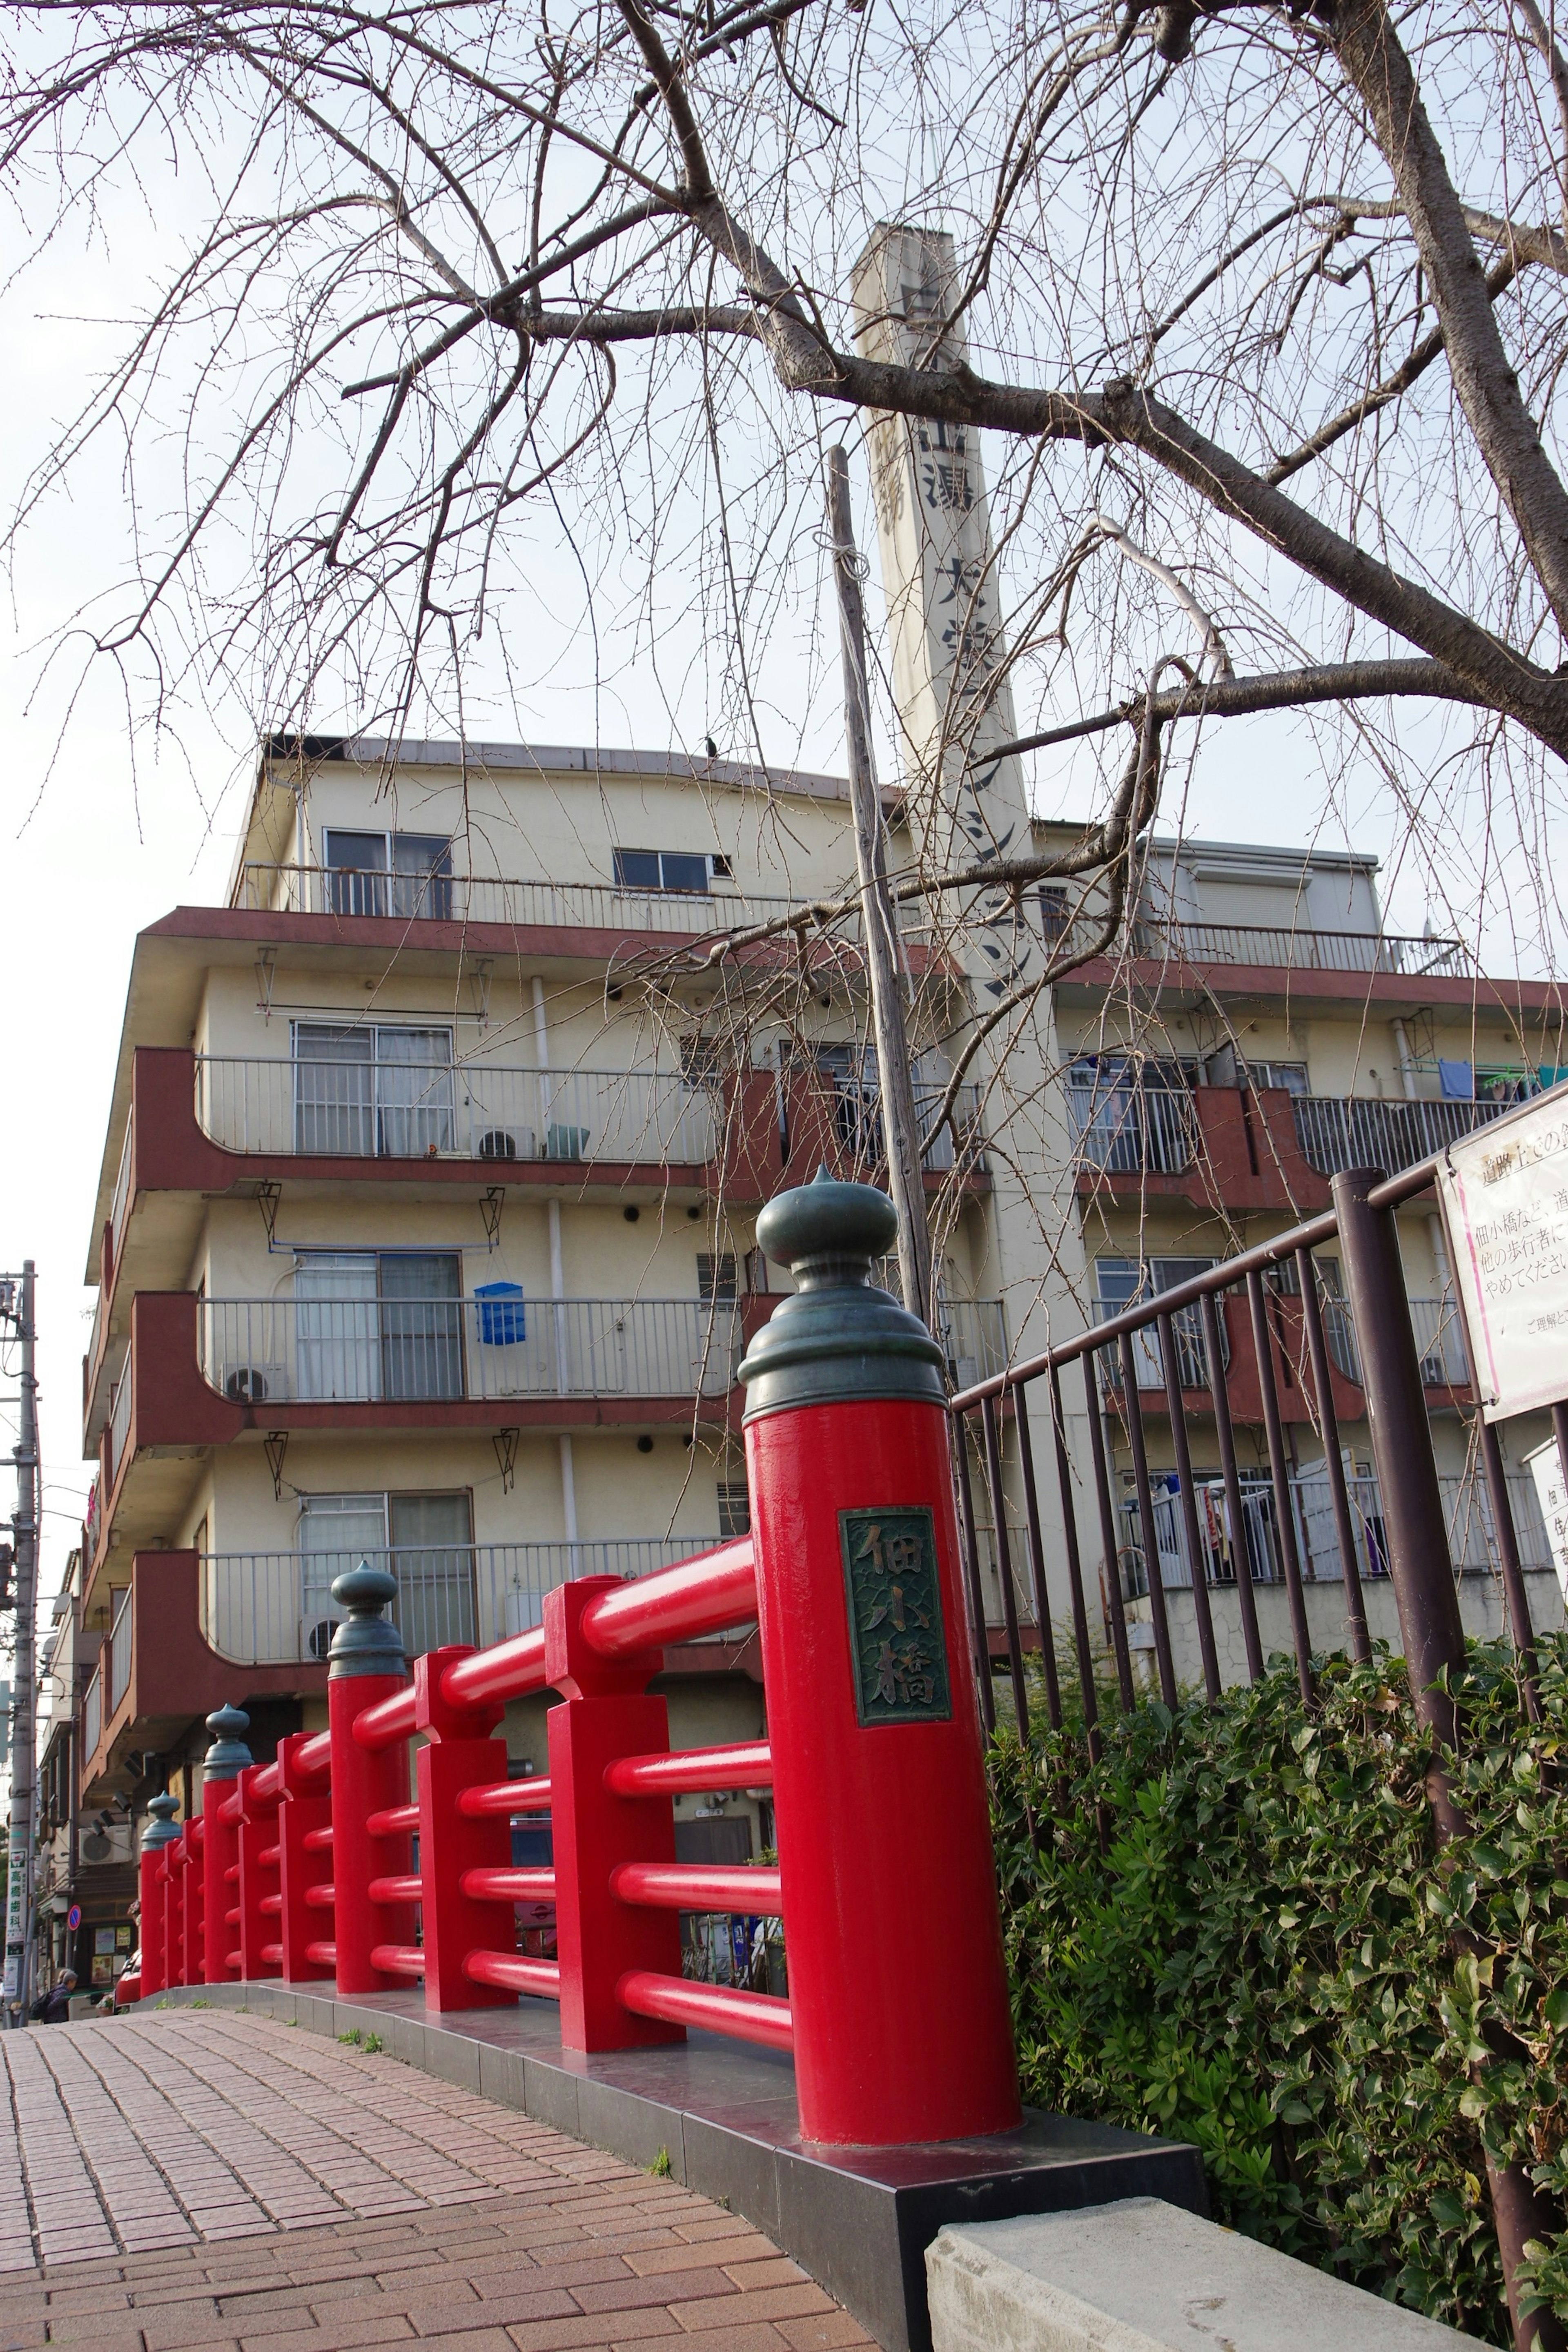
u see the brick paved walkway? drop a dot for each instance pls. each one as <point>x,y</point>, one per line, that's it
<point>209,2182</point>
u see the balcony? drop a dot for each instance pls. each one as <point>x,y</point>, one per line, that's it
<point>473,901</point>
<point>156,1672</point>
<point>1339,1132</point>
<point>1275,949</point>
<point>1439,1347</point>
<point>357,1109</point>
<point>1245,1148</point>
<point>276,1608</point>
<point>380,1349</point>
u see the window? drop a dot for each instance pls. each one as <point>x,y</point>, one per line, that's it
<point>1054,913</point>
<point>716,1276</point>
<point>372,1091</point>
<point>404,873</point>
<point>1122,1282</point>
<point>425,1541</point>
<point>735,1508</point>
<point>370,1325</point>
<point>1290,1075</point>
<point>688,872</point>
<point>1131,1113</point>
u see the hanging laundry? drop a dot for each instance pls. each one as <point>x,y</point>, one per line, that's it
<point>1458,1080</point>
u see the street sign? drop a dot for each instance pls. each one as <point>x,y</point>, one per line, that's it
<point>73,1918</point>
<point>1504,1195</point>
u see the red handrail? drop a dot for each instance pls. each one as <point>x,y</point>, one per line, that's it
<point>517,1974</point>
<point>504,1798</point>
<point>747,1764</point>
<point>392,1719</point>
<point>511,1670</point>
<point>313,1756</point>
<point>702,1595</point>
<point>507,1886</point>
<point>748,2016</point>
<point>397,1959</point>
<point>698,1886</point>
<point>398,1889</point>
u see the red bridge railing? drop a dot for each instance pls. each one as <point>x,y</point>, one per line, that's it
<point>304,1869</point>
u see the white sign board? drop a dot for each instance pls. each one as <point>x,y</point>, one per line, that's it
<point>1545,1466</point>
<point>1505,1193</point>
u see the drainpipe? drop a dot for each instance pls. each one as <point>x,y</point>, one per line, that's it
<point>1406,1061</point>
<point>557,1268</point>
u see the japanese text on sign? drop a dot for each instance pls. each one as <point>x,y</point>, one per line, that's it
<point>1505,1191</point>
<point>899,1646</point>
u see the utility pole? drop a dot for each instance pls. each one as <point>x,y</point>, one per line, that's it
<point>17,1309</point>
<point>901,1130</point>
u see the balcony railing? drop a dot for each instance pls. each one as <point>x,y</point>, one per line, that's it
<point>1134,1131</point>
<point>91,1713</point>
<point>1350,1132</point>
<point>386,1350</point>
<point>119,1638</point>
<point>276,1608</point>
<point>1466,1506</point>
<point>401,1110</point>
<point>1282,948</point>
<point>119,1420</point>
<point>120,1207</point>
<point>974,1337</point>
<point>463,899</point>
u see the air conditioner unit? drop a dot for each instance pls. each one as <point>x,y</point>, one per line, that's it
<point>255,1383</point>
<point>97,1846</point>
<point>319,1636</point>
<point>500,1143</point>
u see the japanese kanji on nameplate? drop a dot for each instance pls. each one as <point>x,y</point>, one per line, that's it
<point>896,1640</point>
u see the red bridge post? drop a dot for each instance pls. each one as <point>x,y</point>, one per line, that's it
<point>156,1839</point>
<point>224,1762</point>
<point>366,1667</point>
<point>604,1712</point>
<point>902,2028</point>
<point>459,1753</point>
<point>304,1862</point>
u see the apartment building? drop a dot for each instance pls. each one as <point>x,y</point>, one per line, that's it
<point>426,1232</point>
<point>1262,1032</point>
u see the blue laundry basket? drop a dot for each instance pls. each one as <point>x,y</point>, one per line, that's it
<point>503,1321</point>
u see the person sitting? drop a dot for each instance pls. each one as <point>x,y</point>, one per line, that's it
<point>53,2007</point>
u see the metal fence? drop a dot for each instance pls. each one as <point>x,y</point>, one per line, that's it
<point>375,1348</point>
<point>1339,1132</point>
<point>1277,946</point>
<point>1280,1527</point>
<point>1406,1521</point>
<point>356,1108</point>
<point>484,899</point>
<point>262,1608</point>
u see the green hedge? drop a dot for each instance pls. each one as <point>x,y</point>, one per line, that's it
<point>1259,1960</point>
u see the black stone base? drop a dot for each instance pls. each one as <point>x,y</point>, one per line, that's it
<point>859,2220</point>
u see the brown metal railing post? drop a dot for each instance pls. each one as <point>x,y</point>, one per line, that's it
<point>973,1586</point>
<point>1133,1406</point>
<point>1037,1556</point>
<point>1419,1564</point>
<point>1206,1649</point>
<point>1075,1575</point>
<point>1115,1610</point>
<point>1415,1532</point>
<point>1246,1597</point>
<point>1278,1473</point>
<point>1339,1497</point>
<point>1004,1565</point>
